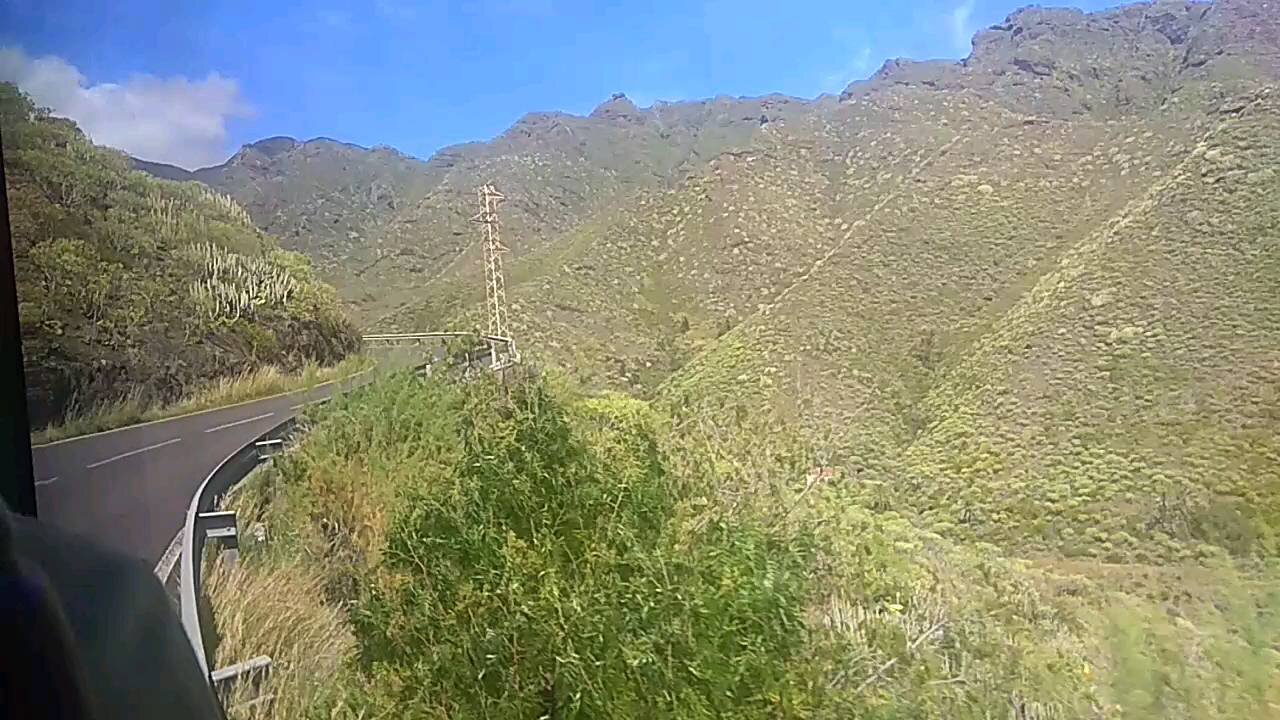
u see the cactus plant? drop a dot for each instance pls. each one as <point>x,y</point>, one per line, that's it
<point>231,286</point>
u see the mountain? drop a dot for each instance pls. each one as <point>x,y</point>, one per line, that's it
<point>164,171</point>
<point>1136,59</point>
<point>133,288</point>
<point>321,197</point>
<point>1025,298</point>
<point>378,223</point>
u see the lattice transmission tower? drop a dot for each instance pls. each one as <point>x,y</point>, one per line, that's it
<point>495,288</point>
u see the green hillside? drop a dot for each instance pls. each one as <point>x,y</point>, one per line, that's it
<point>580,556</point>
<point>1132,390</point>
<point>377,223</point>
<point>974,285</point>
<point>138,287</point>
<point>956,396</point>
<point>327,199</point>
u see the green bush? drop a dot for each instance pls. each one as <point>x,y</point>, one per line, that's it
<point>1210,660</point>
<point>521,551</point>
<point>556,573</point>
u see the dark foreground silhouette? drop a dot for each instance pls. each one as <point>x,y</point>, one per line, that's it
<point>86,632</point>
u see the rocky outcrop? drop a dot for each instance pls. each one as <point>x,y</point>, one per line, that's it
<point>1064,63</point>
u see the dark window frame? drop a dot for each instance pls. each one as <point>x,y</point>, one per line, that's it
<point>17,479</point>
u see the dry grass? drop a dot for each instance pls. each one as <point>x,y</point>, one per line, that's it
<point>277,610</point>
<point>251,385</point>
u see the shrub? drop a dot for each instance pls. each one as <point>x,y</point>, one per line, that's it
<point>555,573</point>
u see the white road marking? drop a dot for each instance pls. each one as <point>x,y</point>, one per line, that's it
<point>299,406</point>
<point>133,452</point>
<point>46,481</point>
<point>224,426</point>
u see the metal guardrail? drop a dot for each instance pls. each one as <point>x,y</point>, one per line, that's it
<point>502,349</point>
<point>379,337</point>
<point>204,522</point>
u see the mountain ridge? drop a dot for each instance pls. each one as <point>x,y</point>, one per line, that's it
<point>921,273</point>
<point>398,221</point>
<point>837,268</point>
<point>359,214</point>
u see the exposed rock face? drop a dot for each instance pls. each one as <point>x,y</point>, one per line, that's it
<point>618,108</point>
<point>1065,63</point>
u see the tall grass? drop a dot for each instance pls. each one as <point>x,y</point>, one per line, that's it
<point>280,614</point>
<point>253,384</point>
<point>511,553</point>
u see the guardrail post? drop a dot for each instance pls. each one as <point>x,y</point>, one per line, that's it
<point>203,523</point>
<point>267,448</point>
<point>255,672</point>
<point>220,526</point>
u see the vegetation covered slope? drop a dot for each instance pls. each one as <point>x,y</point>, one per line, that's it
<point>559,171</point>
<point>1144,439</point>
<point>324,198</point>
<point>1132,391</point>
<point>133,286</point>
<point>378,223</point>
<point>434,550</point>
<point>859,267</point>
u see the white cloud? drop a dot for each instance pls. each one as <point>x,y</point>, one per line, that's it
<point>173,120</point>
<point>858,68</point>
<point>958,22</point>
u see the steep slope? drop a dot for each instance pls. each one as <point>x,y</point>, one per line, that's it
<point>898,348</point>
<point>132,286</point>
<point>326,199</point>
<point>1133,390</point>
<point>558,172</point>
<point>321,197</point>
<point>622,276</point>
<point>868,350</point>
<point>842,267</point>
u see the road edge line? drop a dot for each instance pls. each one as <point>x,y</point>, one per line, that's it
<point>197,412</point>
<point>234,423</point>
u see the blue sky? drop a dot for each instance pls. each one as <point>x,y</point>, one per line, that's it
<point>188,82</point>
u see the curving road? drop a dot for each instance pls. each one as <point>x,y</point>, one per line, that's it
<point>129,488</point>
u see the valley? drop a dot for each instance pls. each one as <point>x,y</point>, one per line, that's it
<point>954,394</point>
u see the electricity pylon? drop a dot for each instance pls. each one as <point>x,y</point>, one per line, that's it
<point>495,288</point>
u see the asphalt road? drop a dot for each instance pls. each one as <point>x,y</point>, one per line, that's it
<point>129,488</point>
